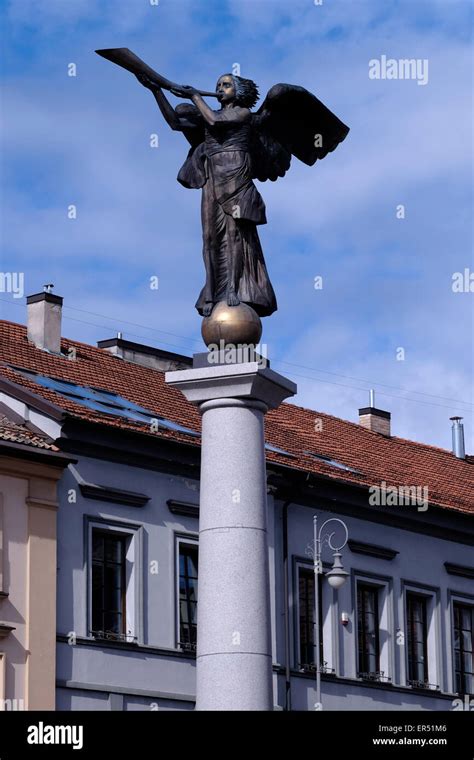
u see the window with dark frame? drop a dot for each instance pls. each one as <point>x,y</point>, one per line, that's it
<point>188,595</point>
<point>368,630</point>
<point>463,648</point>
<point>108,584</point>
<point>306,618</point>
<point>417,639</point>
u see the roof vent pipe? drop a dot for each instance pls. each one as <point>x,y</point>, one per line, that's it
<point>459,450</point>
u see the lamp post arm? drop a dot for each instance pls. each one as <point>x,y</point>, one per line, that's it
<point>334,548</point>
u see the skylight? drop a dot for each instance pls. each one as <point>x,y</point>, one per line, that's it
<point>276,450</point>
<point>104,401</point>
<point>332,462</point>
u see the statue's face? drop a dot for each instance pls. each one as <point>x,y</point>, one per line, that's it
<point>225,89</point>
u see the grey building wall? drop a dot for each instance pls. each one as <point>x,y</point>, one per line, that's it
<point>152,669</point>
<point>153,674</point>
<point>418,566</point>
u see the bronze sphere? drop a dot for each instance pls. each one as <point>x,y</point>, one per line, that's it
<point>231,324</point>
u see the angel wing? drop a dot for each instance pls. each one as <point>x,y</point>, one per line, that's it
<point>292,122</point>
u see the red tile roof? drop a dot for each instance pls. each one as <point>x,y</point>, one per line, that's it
<point>398,462</point>
<point>11,432</point>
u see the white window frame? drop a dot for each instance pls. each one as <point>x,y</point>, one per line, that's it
<point>193,541</point>
<point>467,601</point>
<point>3,668</point>
<point>432,630</point>
<point>133,556</point>
<point>2,547</point>
<point>328,612</point>
<point>385,622</point>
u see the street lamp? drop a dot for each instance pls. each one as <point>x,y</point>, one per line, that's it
<point>336,578</point>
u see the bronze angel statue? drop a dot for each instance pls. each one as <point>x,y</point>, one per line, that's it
<point>230,148</point>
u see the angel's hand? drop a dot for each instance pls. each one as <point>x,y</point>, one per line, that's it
<point>185,91</point>
<point>146,82</point>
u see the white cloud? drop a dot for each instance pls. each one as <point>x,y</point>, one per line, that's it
<point>387,283</point>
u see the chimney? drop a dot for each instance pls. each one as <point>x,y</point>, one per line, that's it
<point>44,320</point>
<point>147,356</point>
<point>458,438</point>
<point>374,419</point>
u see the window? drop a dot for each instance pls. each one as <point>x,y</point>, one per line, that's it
<point>2,680</point>
<point>108,584</point>
<point>306,618</point>
<point>332,462</point>
<point>277,450</point>
<point>103,401</point>
<point>423,664</point>
<point>2,560</point>
<point>417,640</point>
<point>114,577</point>
<point>368,631</point>
<point>188,595</point>
<point>463,648</point>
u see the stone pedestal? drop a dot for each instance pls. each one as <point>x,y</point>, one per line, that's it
<point>234,661</point>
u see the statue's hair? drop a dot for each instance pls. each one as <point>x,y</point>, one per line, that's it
<point>246,91</point>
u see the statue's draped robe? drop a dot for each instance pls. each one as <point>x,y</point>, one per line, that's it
<point>231,209</point>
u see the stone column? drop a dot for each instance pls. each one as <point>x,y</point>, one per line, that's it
<point>234,658</point>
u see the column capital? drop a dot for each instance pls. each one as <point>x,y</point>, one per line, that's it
<point>234,381</point>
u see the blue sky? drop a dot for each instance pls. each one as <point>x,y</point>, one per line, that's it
<point>387,282</point>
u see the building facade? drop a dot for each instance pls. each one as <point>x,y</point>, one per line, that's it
<point>30,468</point>
<point>397,635</point>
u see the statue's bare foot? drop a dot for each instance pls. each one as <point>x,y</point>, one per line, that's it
<point>232,298</point>
<point>207,309</point>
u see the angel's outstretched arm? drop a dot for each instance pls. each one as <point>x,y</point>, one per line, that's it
<point>177,123</point>
<point>226,115</point>
<point>216,117</point>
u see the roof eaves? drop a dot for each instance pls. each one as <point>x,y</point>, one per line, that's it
<point>35,453</point>
<point>35,401</point>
